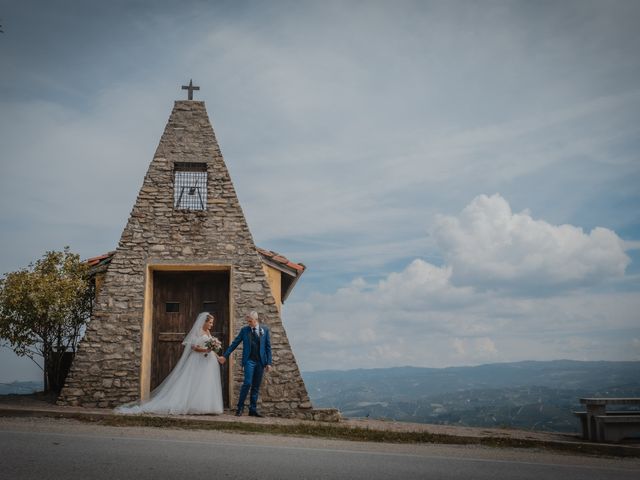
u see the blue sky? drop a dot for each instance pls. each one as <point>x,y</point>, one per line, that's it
<point>461,178</point>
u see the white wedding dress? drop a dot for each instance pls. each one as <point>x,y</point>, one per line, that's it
<point>192,387</point>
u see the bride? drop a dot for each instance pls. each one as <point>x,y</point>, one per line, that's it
<point>193,386</point>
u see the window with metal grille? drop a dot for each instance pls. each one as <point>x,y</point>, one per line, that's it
<point>190,186</point>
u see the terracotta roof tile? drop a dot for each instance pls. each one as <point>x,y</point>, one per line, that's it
<point>281,259</point>
<point>96,260</point>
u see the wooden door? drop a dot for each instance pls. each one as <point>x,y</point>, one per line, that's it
<point>178,298</point>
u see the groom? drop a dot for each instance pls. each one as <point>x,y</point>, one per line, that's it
<point>256,359</point>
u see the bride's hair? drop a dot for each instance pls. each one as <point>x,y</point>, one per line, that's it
<point>191,337</point>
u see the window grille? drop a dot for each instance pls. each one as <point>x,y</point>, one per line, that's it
<point>190,186</point>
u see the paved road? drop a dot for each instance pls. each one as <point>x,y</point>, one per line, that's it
<point>55,449</point>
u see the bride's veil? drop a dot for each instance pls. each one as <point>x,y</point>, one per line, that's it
<point>190,339</point>
<point>195,331</point>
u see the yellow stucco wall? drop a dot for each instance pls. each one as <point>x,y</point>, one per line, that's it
<point>275,282</point>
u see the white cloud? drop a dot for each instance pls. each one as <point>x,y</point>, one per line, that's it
<point>400,321</point>
<point>632,245</point>
<point>420,316</point>
<point>489,245</point>
<point>471,349</point>
<point>419,285</point>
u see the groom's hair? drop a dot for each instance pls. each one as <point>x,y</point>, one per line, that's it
<point>253,314</point>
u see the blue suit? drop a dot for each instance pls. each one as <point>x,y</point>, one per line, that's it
<point>253,370</point>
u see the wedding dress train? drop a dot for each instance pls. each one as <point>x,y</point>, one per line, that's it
<point>192,387</point>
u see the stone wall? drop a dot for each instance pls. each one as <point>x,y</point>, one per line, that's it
<point>107,366</point>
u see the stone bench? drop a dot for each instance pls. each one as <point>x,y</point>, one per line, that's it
<point>600,425</point>
<point>613,428</point>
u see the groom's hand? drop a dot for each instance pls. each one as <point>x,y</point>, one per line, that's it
<point>222,360</point>
<point>268,368</point>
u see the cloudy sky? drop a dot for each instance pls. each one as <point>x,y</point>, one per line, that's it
<point>461,178</point>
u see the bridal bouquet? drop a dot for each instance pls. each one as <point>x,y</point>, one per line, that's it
<point>214,344</point>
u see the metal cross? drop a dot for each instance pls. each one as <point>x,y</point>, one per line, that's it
<point>190,88</point>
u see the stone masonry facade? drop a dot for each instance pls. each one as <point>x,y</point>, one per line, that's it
<point>106,369</point>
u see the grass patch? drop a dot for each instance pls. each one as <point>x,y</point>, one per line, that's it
<point>359,434</point>
<point>300,429</point>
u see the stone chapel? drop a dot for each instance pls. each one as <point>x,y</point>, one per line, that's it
<point>186,248</point>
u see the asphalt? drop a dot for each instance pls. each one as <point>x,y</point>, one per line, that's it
<point>34,406</point>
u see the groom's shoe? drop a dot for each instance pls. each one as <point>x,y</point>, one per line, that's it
<point>254,413</point>
<point>238,413</point>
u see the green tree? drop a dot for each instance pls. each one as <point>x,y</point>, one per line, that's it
<point>43,309</point>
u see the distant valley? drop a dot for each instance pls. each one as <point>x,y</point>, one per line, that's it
<point>526,395</point>
<point>20,388</point>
